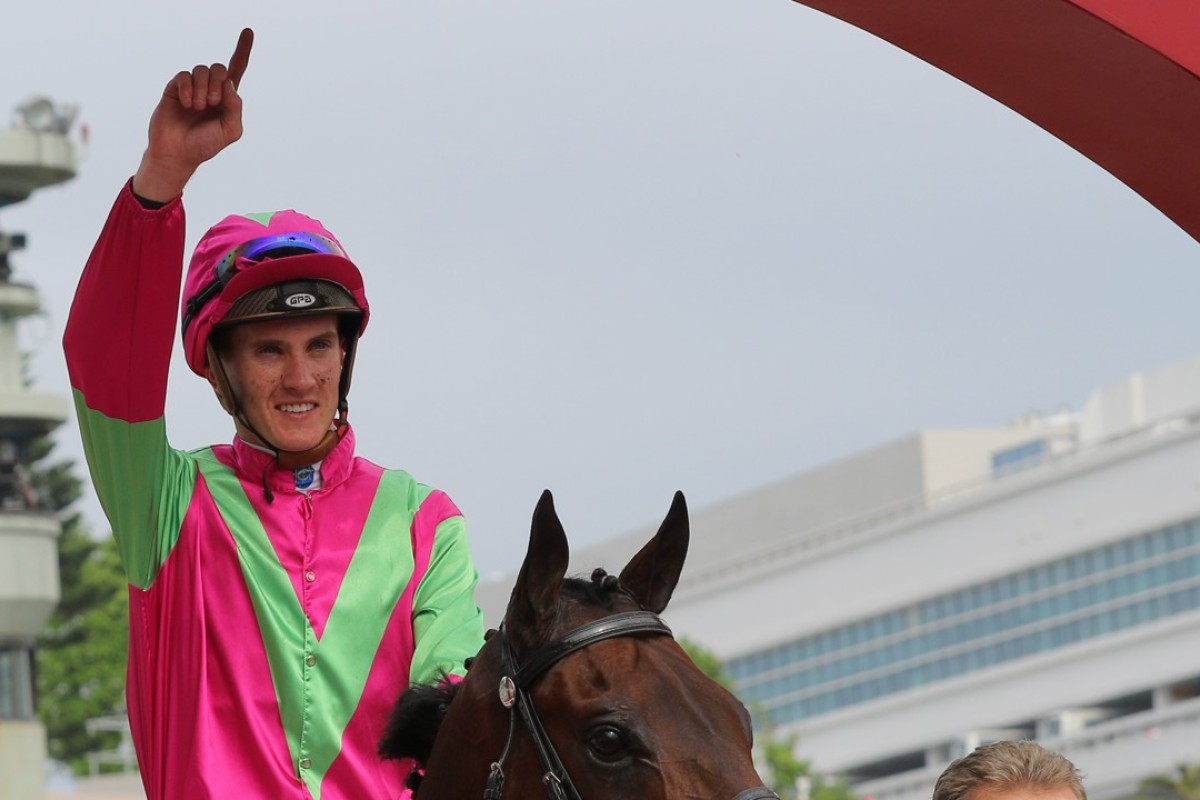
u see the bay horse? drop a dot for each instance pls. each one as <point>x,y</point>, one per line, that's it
<point>582,693</point>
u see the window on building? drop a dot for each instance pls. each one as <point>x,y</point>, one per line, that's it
<point>1092,594</point>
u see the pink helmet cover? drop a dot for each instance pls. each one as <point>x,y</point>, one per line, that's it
<point>234,231</point>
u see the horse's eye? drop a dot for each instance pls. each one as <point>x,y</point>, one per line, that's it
<point>608,743</point>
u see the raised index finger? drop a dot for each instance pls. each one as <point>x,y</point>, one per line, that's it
<point>241,56</point>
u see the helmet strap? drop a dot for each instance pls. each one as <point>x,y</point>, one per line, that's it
<point>293,459</point>
<point>351,343</point>
<point>225,393</point>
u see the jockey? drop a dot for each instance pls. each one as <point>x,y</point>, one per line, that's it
<point>282,591</point>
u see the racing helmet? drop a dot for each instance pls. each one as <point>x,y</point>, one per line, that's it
<point>242,269</point>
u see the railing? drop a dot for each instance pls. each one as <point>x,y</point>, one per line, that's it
<point>123,754</point>
<point>1134,727</point>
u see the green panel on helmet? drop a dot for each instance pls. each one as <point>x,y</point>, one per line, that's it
<point>262,218</point>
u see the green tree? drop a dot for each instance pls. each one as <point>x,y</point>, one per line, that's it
<point>777,749</point>
<point>1183,785</point>
<point>707,661</point>
<point>81,656</point>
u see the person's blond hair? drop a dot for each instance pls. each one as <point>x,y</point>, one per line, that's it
<point>1008,765</point>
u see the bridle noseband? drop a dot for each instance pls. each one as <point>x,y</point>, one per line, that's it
<point>519,678</point>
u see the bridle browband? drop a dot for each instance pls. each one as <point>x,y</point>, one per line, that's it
<point>518,679</point>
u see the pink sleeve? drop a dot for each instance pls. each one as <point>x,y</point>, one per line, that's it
<point>121,327</point>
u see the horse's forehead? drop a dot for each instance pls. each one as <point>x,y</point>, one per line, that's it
<point>643,667</point>
<point>650,679</point>
<point>636,665</point>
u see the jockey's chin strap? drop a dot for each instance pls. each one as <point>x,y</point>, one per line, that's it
<point>293,459</point>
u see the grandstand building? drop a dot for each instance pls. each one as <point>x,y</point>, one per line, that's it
<point>34,153</point>
<point>897,608</point>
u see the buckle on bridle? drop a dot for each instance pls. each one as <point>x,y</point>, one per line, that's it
<point>554,786</point>
<point>495,783</point>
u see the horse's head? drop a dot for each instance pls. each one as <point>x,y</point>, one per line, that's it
<point>623,710</point>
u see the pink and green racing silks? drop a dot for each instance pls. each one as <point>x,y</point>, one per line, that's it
<point>269,639</point>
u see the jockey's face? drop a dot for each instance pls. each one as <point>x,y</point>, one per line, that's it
<point>285,373</point>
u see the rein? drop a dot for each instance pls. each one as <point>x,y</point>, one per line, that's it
<point>518,679</point>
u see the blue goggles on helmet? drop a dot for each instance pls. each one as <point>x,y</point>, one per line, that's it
<point>253,251</point>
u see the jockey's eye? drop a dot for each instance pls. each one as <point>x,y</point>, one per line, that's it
<point>608,743</point>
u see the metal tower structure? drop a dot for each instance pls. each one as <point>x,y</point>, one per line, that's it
<point>34,153</point>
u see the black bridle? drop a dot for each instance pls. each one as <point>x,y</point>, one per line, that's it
<point>519,678</point>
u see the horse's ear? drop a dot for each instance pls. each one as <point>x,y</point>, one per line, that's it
<point>650,576</point>
<point>535,596</point>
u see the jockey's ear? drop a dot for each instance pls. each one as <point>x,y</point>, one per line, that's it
<point>651,576</point>
<point>534,599</point>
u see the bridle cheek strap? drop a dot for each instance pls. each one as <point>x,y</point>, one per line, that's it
<point>554,775</point>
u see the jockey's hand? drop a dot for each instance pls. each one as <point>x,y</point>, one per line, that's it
<point>199,115</point>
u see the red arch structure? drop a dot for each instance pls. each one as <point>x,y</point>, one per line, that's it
<point>1118,80</point>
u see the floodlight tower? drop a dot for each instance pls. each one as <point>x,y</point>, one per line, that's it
<point>34,153</point>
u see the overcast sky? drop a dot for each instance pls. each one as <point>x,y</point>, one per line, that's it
<point>618,249</point>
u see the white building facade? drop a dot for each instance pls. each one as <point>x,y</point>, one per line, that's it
<point>900,607</point>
